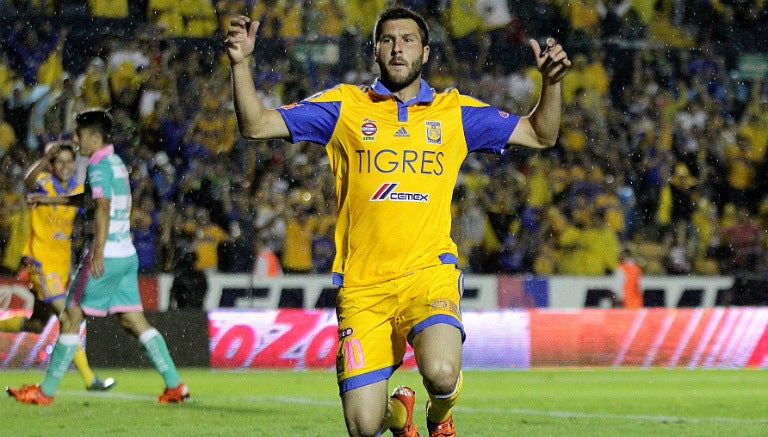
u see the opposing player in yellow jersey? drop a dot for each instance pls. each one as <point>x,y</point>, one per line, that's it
<point>48,252</point>
<point>395,148</point>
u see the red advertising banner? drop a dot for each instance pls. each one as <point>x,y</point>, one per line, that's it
<point>695,338</point>
<point>25,350</point>
<point>15,294</point>
<point>734,337</point>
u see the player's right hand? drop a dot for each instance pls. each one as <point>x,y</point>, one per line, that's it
<point>241,38</point>
<point>34,199</point>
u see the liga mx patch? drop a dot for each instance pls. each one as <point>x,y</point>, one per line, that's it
<point>369,129</point>
<point>434,132</point>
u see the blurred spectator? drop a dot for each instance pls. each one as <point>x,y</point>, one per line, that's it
<point>680,252</point>
<point>294,25</point>
<point>7,134</point>
<point>173,127</point>
<point>268,86</point>
<point>741,166</point>
<point>676,202</point>
<point>7,76</point>
<point>108,8</point>
<point>540,18</point>
<point>163,175</point>
<point>496,20</point>
<point>593,248</point>
<point>199,17</point>
<point>266,263</point>
<point>585,21</point>
<point>470,224</point>
<point>326,17</point>
<point>360,22</point>
<point>301,224</point>
<point>629,275</point>
<point>93,86</point>
<point>30,46</point>
<point>611,14</point>
<point>464,24</point>
<point>190,285</point>
<point>216,126</point>
<point>271,17</point>
<point>270,222</point>
<point>127,54</point>
<point>144,229</point>
<point>745,241</point>
<point>707,237</point>
<point>206,240</point>
<point>166,15</point>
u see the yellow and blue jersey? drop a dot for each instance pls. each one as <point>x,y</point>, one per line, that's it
<point>49,247</point>
<point>396,164</point>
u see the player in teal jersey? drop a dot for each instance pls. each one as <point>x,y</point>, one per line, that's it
<point>107,280</point>
<point>396,148</point>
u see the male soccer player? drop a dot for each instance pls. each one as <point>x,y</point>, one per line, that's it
<point>395,148</point>
<point>48,252</point>
<point>106,282</point>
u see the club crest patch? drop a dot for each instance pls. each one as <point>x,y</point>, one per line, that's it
<point>434,132</point>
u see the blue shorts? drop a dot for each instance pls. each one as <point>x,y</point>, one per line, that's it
<point>117,291</point>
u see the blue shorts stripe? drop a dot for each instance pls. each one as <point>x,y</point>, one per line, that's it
<point>365,379</point>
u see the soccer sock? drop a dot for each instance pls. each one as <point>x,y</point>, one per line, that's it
<point>397,414</point>
<point>13,324</point>
<point>439,407</point>
<point>81,362</point>
<point>63,353</point>
<point>157,351</point>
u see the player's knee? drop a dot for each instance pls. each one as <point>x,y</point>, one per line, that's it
<point>440,377</point>
<point>365,425</point>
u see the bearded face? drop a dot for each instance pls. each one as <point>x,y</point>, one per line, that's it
<point>400,54</point>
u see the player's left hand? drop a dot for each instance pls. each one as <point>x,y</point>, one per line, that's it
<point>552,61</point>
<point>241,38</point>
<point>97,266</point>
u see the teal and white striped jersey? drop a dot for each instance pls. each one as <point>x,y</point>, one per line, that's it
<point>107,177</point>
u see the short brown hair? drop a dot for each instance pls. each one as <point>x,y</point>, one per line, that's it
<point>401,13</point>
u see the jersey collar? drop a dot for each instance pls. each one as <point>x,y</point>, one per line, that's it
<point>101,153</point>
<point>59,188</point>
<point>425,94</point>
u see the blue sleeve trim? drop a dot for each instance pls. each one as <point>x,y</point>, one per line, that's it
<point>366,378</point>
<point>449,258</point>
<point>338,279</point>
<point>487,129</point>
<point>311,121</point>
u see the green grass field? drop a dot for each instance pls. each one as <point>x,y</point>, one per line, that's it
<point>550,402</point>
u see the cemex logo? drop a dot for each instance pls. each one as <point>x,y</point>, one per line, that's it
<point>387,192</point>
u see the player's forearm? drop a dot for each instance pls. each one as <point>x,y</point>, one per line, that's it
<point>73,200</point>
<point>545,118</point>
<point>248,106</point>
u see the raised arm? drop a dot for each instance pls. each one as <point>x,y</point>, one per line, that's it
<point>254,120</point>
<point>41,165</point>
<point>541,127</point>
<point>77,200</point>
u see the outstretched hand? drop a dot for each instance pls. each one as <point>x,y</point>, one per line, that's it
<point>34,199</point>
<point>551,61</point>
<point>241,38</point>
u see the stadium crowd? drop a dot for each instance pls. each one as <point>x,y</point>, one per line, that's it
<point>662,150</point>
